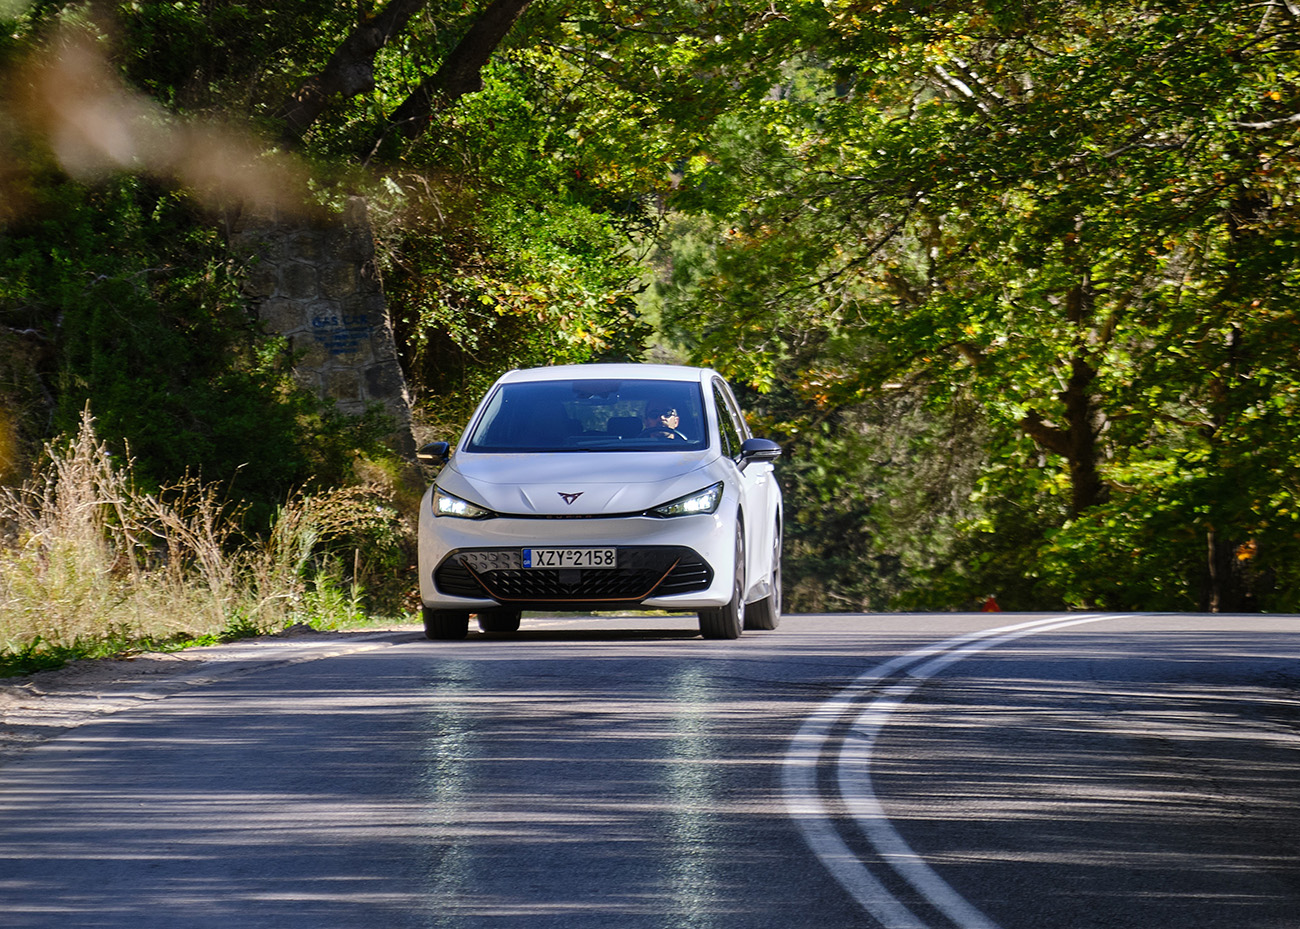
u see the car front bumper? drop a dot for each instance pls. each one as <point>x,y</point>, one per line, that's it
<point>685,563</point>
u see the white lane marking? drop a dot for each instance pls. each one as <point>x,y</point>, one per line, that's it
<point>803,804</point>
<point>860,800</point>
<point>803,800</point>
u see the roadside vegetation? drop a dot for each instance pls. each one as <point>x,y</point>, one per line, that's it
<point>91,564</point>
<point>1015,285</point>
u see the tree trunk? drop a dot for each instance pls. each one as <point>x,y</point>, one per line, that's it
<point>1076,440</point>
<point>1230,573</point>
<point>1086,486</point>
<point>1229,588</point>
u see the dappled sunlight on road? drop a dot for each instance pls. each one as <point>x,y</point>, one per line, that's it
<point>585,775</point>
<point>1159,787</point>
<point>535,793</point>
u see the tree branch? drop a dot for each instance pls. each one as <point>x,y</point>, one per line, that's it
<point>1052,438</point>
<point>1272,123</point>
<point>350,70</point>
<point>956,83</point>
<point>461,72</point>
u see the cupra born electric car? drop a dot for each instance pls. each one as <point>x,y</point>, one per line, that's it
<point>603,488</point>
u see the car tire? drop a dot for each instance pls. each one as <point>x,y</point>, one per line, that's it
<point>502,620</point>
<point>766,613</point>
<point>445,624</point>
<point>726,622</point>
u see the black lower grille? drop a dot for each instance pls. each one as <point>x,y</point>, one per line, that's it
<point>642,572</point>
<point>453,578</point>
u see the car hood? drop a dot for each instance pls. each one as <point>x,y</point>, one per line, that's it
<point>576,484</point>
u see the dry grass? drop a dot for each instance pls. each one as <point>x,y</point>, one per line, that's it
<point>85,557</point>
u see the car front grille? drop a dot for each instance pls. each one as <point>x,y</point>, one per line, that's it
<point>642,572</point>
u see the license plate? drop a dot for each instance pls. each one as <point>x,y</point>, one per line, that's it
<point>570,557</point>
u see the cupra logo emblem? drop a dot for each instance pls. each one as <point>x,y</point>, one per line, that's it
<point>569,498</point>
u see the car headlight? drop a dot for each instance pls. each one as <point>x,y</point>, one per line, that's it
<point>445,504</point>
<point>703,501</point>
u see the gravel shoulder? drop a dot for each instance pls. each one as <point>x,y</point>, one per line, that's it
<point>38,707</point>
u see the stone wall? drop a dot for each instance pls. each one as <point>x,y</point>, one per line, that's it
<point>315,283</point>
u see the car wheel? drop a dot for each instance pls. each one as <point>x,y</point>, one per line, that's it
<point>766,613</point>
<point>725,622</point>
<point>502,620</point>
<point>445,624</point>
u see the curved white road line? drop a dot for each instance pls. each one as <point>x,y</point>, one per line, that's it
<point>803,799</point>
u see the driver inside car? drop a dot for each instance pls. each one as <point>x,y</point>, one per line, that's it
<point>661,423</point>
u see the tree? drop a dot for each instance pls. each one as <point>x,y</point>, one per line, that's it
<point>1081,216</point>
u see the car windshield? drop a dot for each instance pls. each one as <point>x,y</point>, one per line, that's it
<point>592,415</point>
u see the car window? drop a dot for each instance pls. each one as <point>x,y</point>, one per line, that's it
<point>591,415</point>
<point>729,429</point>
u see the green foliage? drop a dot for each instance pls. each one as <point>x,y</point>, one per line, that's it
<point>200,57</point>
<point>875,494</point>
<point>1082,218</point>
<point>33,657</point>
<point>523,259</point>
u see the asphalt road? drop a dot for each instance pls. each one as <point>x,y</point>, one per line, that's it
<point>916,772</point>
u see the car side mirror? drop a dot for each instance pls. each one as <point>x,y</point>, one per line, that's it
<point>434,453</point>
<point>752,450</point>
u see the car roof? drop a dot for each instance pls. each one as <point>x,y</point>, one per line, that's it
<point>650,372</point>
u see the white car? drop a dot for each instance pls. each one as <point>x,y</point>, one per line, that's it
<point>603,487</point>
